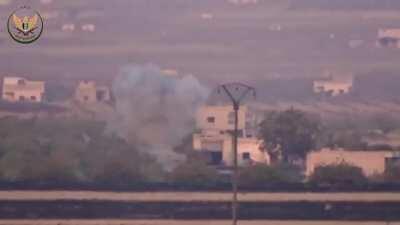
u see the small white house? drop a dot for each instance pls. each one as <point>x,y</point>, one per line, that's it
<point>88,27</point>
<point>389,37</point>
<point>333,87</point>
<point>68,27</point>
<point>243,2</point>
<point>18,89</point>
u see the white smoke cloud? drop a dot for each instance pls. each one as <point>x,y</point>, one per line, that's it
<point>155,112</point>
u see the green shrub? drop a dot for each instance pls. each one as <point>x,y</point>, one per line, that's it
<point>118,171</point>
<point>262,175</point>
<point>392,174</point>
<point>342,174</point>
<point>194,172</point>
<point>68,150</point>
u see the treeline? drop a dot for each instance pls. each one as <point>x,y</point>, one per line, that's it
<point>291,134</point>
<point>195,175</point>
<point>69,153</point>
<point>287,177</point>
<point>68,150</point>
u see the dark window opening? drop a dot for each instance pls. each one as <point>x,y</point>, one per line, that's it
<point>215,158</point>
<point>388,41</point>
<point>10,94</point>
<point>33,98</point>
<point>21,82</point>
<point>246,156</point>
<point>211,119</point>
<point>100,95</point>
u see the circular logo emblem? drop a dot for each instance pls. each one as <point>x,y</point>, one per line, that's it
<point>25,25</point>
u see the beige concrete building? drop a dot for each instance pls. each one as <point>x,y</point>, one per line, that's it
<point>221,118</point>
<point>214,138</point>
<point>333,87</point>
<point>393,33</point>
<point>371,162</point>
<point>219,148</point>
<point>389,37</point>
<point>18,89</point>
<point>90,92</point>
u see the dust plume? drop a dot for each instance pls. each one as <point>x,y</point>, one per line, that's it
<point>154,111</point>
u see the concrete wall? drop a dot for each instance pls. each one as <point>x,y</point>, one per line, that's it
<point>252,146</point>
<point>224,143</point>
<point>371,162</point>
<point>221,118</point>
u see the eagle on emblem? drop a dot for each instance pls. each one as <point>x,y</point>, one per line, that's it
<point>25,25</point>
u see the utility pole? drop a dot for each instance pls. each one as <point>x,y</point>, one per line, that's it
<point>236,92</point>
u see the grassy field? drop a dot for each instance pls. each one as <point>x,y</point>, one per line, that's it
<point>239,42</point>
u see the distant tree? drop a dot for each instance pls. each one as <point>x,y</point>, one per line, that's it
<point>261,175</point>
<point>70,150</point>
<point>186,145</point>
<point>392,174</point>
<point>292,173</point>
<point>61,166</point>
<point>348,139</point>
<point>20,165</point>
<point>59,91</point>
<point>113,160</point>
<point>194,172</point>
<point>380,147</point>
<point>289,134</point>
<point>119,171</point>
<point>342,174</point>
<point>384,122</point>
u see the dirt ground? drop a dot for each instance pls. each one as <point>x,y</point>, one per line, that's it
<point>183,222</point>
<point>195,196</point>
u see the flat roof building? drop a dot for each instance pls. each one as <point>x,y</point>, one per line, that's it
<point>371,162</point>
<point>333,87</point>
<point>90,92</point>
<point>18,89</point>
<point>389,37</point>
<point>215,125</point>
